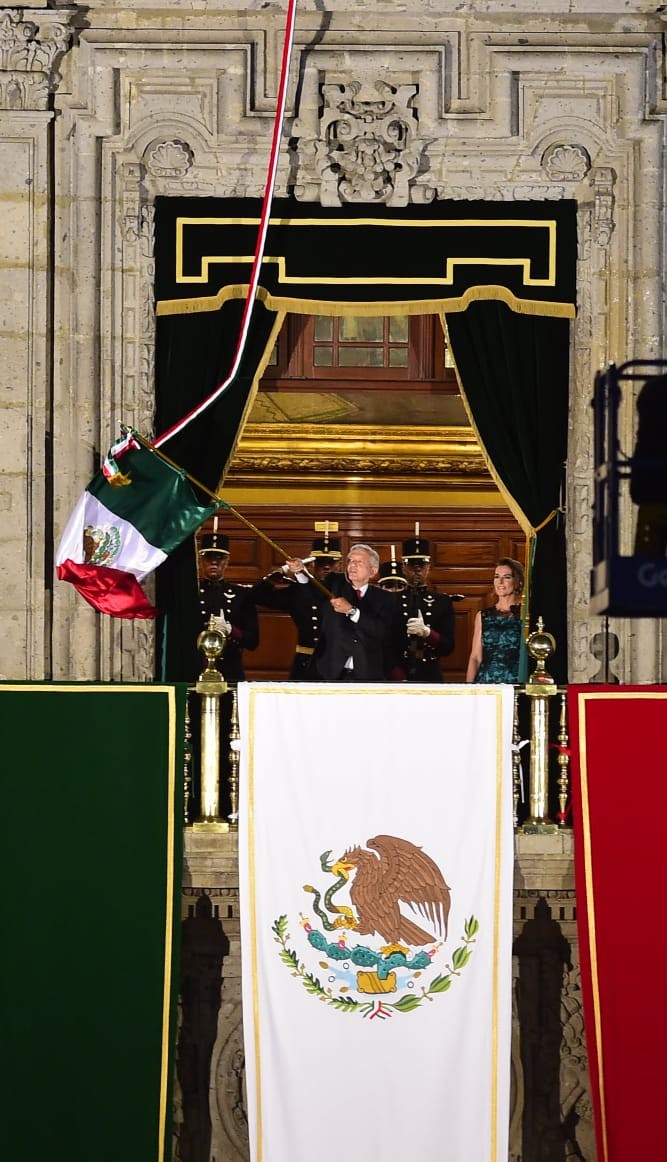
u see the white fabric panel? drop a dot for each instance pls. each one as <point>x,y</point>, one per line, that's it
<point>334,1071</point>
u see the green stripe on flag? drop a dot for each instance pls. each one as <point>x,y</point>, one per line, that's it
<point>158,501</point>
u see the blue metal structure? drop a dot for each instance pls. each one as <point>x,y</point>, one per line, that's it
<point>621,586</point>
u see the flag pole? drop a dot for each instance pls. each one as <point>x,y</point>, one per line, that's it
<point>223,504</point>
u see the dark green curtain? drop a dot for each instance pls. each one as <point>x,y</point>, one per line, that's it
<point>194,354</point>
<point>514,371</point>
<point>92,795</point>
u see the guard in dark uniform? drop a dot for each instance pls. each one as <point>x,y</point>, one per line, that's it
<point>391,576</point>
<point>280,591</point>
<point>231,603</point>
<point>428,616</point>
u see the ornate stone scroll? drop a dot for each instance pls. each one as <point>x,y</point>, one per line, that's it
<point>368,149</point>
<point>28,61</point>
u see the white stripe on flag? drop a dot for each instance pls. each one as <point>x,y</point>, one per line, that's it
<point>120,544</point>
<point>359,1045</point>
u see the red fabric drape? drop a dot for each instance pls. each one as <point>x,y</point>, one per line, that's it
<point>619,795</point>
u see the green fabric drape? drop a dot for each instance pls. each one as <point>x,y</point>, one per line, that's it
<point>514,373</point>
<point>194,353</point>
<point>92,795</point>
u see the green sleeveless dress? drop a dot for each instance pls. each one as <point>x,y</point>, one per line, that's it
<point>501,639</point>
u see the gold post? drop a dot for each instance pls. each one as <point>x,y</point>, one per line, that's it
<point>187,760</point>
<point>210,687</point>
<point>540,688</point>
<point>563,762</point>
<point>234,760</point>
<point>516,759</point>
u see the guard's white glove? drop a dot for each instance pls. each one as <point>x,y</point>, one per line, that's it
<point>222,626</point>
<point>417,627</point>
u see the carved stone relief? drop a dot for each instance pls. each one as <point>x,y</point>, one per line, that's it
<point>603,179</point>
<point>367,149</point>
<point>28,60</point>
<point>575,1098</point>
<point>551,1107</point>
<point>568,163</point>
<point>168,159</point>
<point>230,1119</point>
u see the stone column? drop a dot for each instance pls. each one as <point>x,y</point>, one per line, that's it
<point>29,55</point>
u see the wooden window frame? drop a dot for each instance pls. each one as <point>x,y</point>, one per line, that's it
<point>426,370</point>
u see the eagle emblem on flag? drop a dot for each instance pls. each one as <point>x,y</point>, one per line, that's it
<point>100,544</point>
<point>377,958</point>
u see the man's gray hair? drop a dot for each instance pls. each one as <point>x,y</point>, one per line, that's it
<point>374,559</point>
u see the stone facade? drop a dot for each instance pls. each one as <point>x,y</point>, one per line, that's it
<point>103,107</point>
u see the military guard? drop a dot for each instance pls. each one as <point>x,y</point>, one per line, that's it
<point>280,591</point>
<point>231,604</point>
<point>391,576</point>
<point>428,616</point>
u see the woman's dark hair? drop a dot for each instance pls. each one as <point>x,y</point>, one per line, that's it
<point>517,571</point>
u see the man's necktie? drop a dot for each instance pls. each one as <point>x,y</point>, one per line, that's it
<point>358,593</point>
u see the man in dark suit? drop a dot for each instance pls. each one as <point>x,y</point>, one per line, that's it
<point>359,639</point>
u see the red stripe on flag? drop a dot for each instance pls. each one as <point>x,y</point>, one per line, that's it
<point>111,591</point>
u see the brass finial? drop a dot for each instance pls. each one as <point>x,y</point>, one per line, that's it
<point>541,645</point>
<point>211,642</point>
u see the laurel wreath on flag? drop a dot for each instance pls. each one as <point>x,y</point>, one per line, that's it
<point>376,1008</point>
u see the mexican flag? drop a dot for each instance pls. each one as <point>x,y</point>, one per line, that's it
<point>133,514</point>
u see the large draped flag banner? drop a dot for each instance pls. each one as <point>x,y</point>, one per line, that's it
<point>132,515</point>
<point>375,863</point>
<point>617,738</point>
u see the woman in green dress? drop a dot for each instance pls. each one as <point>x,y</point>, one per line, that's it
<point>494,656</point>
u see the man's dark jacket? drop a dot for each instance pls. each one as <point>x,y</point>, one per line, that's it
<point>305,609</point>
<point>373,642</point>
